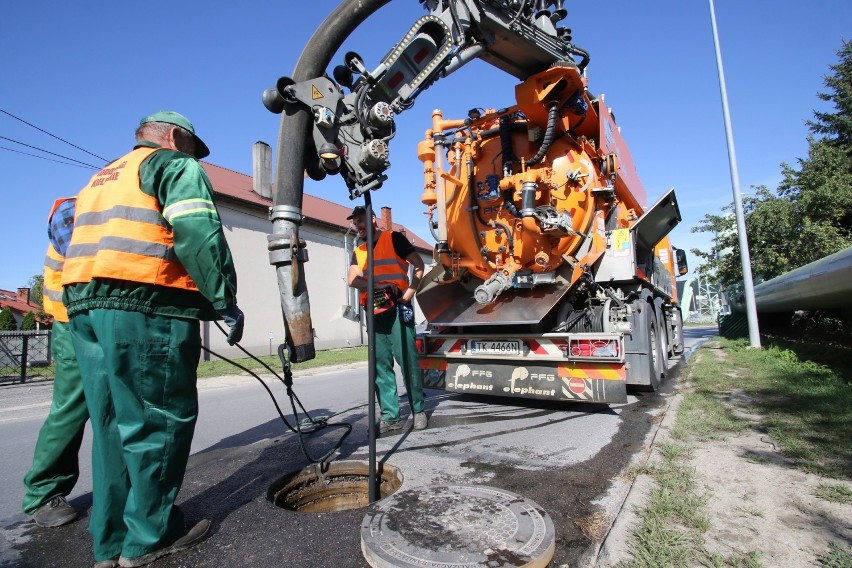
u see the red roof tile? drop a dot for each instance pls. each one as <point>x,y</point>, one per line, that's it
<point>10,300</point>
<point>235,185</point>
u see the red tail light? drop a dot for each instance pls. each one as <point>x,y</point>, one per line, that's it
<point>593,348</point>
<point>420,344</point>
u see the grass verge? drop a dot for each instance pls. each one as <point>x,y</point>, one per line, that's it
<point>836,557</point>
<point>219,368</point>
<point>834,493</point>
<point>806,407</point>
<point>803,405</point>
<point>673,520</point>
<point>328,357</point>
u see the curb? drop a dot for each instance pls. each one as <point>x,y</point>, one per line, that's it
<point>613,548</point>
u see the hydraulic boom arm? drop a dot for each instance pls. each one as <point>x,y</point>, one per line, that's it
<point>327,130</point>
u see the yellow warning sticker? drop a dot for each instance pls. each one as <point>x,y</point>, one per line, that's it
<point>620,239</point>
<point>315,93</point>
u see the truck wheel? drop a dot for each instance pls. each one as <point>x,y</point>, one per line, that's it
<point>678,343</point>
<point>655,358</point>
<point>663,334</point>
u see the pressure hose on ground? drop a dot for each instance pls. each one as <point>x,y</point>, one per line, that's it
<point>315,424</point>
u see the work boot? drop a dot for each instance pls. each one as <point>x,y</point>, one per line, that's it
<point>111,563</point>
<point>55,513</point>
<point>420,421</point>
<point>196,534</point>
<point>386,426</point>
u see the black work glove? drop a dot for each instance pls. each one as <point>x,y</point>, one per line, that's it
<point>234,319</point>
<point>406,312</point>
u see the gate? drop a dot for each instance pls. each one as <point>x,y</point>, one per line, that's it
<point>25,354</point>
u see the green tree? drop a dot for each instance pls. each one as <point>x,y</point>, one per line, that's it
<point>29,321</point>
<point>821,188</point>
<point>837,126</point>
<point>37,296</point>
<point>36,289</point>
<point>810,216</point>
<point>718,264</point>
<point>821,194</point>
<point>7,320</point>
<point>770,225</point>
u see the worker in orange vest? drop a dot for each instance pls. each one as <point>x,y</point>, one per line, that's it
<point>394,327</point>
<point>148,260</point>
<point>56,466</point>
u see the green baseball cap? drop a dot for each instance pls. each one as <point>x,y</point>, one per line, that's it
<point>172,117</point>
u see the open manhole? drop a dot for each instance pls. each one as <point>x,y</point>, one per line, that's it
<point>338,486</point>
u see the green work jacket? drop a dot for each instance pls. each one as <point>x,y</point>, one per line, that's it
<point>172,177</point>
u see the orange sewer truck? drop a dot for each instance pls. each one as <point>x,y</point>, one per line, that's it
<point>554,279</point>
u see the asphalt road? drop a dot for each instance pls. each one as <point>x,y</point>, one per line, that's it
<point>566,458</point>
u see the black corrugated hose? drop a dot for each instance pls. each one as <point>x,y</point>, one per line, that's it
<point>315,423</point>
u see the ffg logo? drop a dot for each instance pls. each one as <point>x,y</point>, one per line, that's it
<point>521,374</point>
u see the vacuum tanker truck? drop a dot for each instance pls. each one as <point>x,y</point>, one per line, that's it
<point>554,278</point>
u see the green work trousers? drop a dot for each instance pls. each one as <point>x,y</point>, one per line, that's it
<point>139,375</point>
<point>55,466</point>
<point>395,340</point>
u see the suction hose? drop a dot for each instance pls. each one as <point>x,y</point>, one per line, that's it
<point>285,248</point>
<point>549,134</point>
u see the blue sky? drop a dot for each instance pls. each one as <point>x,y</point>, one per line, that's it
<point>88,71</point>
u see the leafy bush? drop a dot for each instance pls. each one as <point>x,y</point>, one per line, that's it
<point>29,322</point>
<point>7,320</point>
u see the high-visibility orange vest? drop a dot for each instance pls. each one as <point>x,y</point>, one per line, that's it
<point>120,232</point>
<point>387,266</point>
<point>51,287</point>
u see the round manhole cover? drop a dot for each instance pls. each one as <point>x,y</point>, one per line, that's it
<point>463,526</point>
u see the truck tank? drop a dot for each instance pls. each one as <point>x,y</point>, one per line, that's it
<point>553,279</point>
<point>522,199</point>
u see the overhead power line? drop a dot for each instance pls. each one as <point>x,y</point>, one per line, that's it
<point>48,152</point>
<point>53,135</point>
<point>46,158</point>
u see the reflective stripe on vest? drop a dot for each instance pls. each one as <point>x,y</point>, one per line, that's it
<point>120,233</point>
<point>52,285</point>
<point>387,266</point>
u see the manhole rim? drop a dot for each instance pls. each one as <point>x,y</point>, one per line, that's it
<point>390,479</point>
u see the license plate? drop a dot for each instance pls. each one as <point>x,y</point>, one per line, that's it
<point>480,347</point>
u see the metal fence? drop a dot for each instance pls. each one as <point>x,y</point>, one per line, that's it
<point>24,355</point>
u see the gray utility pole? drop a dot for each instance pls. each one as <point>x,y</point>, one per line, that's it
<point>751,310</point>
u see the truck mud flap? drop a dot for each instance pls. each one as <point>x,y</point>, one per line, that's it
<point>578,382</point>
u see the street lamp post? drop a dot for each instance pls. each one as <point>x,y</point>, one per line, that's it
<point>751,310</point>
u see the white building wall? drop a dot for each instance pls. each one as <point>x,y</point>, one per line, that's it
<point>257,286</point>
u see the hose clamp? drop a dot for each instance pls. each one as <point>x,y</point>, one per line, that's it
<point>283,251</point>
<point>286,213</point>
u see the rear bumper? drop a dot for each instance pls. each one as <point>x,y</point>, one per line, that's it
<point>546,380</point>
